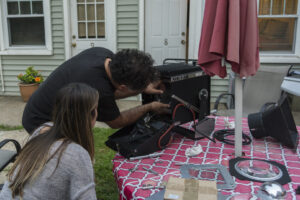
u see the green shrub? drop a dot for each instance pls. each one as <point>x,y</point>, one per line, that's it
<point>30,76</point>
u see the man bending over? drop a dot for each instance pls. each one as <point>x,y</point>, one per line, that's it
<point>126,73</point>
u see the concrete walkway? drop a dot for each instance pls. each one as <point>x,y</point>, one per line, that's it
<point>11,109</point>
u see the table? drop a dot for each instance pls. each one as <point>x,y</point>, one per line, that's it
<point>130,183</point>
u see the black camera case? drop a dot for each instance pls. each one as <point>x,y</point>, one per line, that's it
<point>141,138</point>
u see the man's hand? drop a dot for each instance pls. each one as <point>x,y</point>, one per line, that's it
<point>154,88</point>
<point>159,108</point>
<point>131,115</point>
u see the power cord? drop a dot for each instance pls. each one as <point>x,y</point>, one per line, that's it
<point>223,133</point>
<point>174,124</point>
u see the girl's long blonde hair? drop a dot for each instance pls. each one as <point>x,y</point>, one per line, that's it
<point>73,113</point>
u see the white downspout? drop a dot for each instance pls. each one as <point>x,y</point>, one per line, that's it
<point>1,48</point>
<point>142,25</point>
<point>1,75</point>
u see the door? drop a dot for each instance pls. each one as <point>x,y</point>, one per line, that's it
<point>93,24</point>
<point>166,25</point>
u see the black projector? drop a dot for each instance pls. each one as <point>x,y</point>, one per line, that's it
<point>187,82</point>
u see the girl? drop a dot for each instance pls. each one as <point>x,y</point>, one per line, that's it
<point>57,163</point>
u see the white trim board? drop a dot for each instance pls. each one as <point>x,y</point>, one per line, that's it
<point>1,29</point>
<point>1,76</point>
<point>113,23</point>
<point>67,28</point>
<point>142,25</point>
<point>196,18</point>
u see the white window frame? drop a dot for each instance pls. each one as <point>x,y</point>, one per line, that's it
<point>283,57</point>
<point>5,49</point>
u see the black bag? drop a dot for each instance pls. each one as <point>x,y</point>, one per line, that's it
<point>149,134</point>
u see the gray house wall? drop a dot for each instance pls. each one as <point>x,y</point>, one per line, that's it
<point>127,24</point>
<point>128,37</point>
<point>217,87</point>
<point>14,65</point>
<point>127,16</point>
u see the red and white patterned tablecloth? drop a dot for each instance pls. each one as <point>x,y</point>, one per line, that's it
<point>130,183</point>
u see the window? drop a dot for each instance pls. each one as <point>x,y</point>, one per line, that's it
<point>90,19</point>
<point>277,25</point>
<point>26,25</point>
<point>25,20</point>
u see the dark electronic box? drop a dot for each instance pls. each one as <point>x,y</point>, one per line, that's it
<point>189,83</point>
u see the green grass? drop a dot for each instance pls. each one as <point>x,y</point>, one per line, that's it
<point>10,128</point>
<point>106,187</point>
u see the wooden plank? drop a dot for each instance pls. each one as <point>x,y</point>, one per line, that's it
<point>57,21</point>
<point>127,8</point>
<point>124,46</point>
<point>128,40</point>
<point>126,27</point>
<point>56,3</point>
<point>130,21</point>
<point>35,57</point>
<point>56,9</point>
<point>58,39</point>
<point>128,33</point>
<point>57,15</point>
<point>57,27</point>
<point>31,62</point>
<point>127,2</point>
<point>126,14</point>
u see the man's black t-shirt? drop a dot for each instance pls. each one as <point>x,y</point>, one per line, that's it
<point>86,67</point>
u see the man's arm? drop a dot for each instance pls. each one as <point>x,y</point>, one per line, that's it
<point>121,94</point>
<point>132,115</point>
<point>152,88</point>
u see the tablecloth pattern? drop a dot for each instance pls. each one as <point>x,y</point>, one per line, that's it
<point>130,183</point>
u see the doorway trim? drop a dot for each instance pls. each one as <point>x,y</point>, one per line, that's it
<point>67,27</point>
<point>68,32</point>
<point>142,29</point>
<point>195,21</point>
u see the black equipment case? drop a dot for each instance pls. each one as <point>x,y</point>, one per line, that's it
<point>149,134</point>
<point>187,81</point>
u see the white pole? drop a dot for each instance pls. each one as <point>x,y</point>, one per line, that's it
<point>1,75</point>
<point>238,115</point>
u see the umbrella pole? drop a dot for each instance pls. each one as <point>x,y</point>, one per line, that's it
<point>238,115</point>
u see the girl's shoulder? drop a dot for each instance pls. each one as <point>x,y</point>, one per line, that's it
<point>75,149</point>
<point>74,157</point>
<point>37,131</point>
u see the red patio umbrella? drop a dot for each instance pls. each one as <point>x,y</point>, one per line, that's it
<point>230,33</point>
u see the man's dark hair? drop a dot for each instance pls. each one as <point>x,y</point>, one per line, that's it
<point>132,68</point>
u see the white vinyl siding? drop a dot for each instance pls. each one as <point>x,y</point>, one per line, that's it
<point>127,12</point>
<point>127,24</point>
<point>15,64</point>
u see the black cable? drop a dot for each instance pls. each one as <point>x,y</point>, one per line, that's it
<point>223,133</point>
<point>297,190</point>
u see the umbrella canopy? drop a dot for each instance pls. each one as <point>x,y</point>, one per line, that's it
<point>230,31</point>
